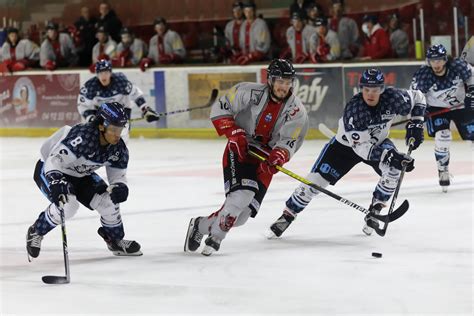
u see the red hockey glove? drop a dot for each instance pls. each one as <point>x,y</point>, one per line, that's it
<point>277,157</point>
<point>19,65</point>
<point>145,63</point>
<point>166,58</point>
<point>237,140</point>
<point>50,65</point>
<point>6,66</point>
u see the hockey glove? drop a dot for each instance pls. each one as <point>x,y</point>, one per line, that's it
<point>50,65</point>
<point>19,65</point>
<point>415,131</point>
<point>150,115</point>
<point>277,157</point>
<point>469,99</point>
<point>58,187</point>
<point>237,142</point>
<point>145,63</point>
<point>118,192</point>
<point>398,160</point>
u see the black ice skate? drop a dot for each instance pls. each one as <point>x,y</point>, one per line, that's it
<point>193,236</point>
<point>33,242</point>
<point>212,244</point>
<point>371,223</point>
<point>444,180</point>
<point>120,247</point>
<point>281,224</point>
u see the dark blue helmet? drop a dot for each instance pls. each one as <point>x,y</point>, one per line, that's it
<point>437,51</point>
<point>372,78</point>
<point>280,68</point>
<point>103,65</point>
<point>112,113</point>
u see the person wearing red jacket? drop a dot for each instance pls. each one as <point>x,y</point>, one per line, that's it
<point>17,54</point>
<point>376,43</point>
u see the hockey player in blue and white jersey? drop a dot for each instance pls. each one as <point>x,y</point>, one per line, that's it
<point>66,176</point>
<point>448,85</point>
<point>362,136</point>
<point>111,87</point>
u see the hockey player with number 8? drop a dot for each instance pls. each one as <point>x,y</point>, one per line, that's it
<point>266,118</point>
<point>66,175</point>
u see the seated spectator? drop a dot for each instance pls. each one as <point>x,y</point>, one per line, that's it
<point>232,32</point>
<point>57,50</point>
<point>313,11</point>
<point>346,29</point>
<point>17,54</point>
<point>130,50</point>
<point>324,43</point>
<point>106,47</point>
<point>376,44</point>
<point>85,28</point>
<point>166,47</point>
<point>109,20</point>
<point>299,6</point>
<point>298,38</point>
<point>254,36</point>
<point>398,37</point>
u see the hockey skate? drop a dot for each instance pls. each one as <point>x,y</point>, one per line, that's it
<point>371,223</point>
<point>193,236</point>
<point>444,180</point>
<point>281,224</point>
<point>212,244</point>
<point>33,242</point>
<point>120,247</point>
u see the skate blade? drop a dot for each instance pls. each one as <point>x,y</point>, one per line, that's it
<point>269,234</point>
<point>190,229</point>
<point>207,251</point>
<point>444,189</point>
<point>119,253</point>
<point>367,230</point>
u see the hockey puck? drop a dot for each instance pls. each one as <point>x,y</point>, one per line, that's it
<point>376,255</point>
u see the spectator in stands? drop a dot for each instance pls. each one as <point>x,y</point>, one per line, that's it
<point>106,47</point>
<point>57,50</point>
<point>17,54</point>
<point>376,44</point>
<point>166,47</point>
<point>299,6</point>
<point>109,20</point>
<point>232,32</point>
<point>298,38</point>
<point>85,28</point>
<point>346,29</point>
<point>130,50</point>
<point>398,37</point>
<point>325,44</point>
<point>313,11</point>
<point>254,36</point>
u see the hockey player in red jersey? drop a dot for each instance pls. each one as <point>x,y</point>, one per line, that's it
<point>266,118</point>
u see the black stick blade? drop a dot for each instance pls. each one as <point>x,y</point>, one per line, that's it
<point>53,279</point>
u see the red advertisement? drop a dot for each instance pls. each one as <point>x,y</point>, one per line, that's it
<point>39,100</point>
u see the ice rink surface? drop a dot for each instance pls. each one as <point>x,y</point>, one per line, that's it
<point>322,265</point>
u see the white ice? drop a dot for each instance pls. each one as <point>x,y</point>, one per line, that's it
<point>322,265</point>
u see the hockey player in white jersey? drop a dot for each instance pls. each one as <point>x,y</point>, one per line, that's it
<point>362,136</point>
<point>266,118</point>
<point>66,176</point>
<point>448,85</point>
<point>111,87</point>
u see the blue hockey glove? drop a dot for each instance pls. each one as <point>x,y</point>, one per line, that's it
<point>399,160</point>
<point>415,131</point>
<point>469,99</point>
<point>58,187</point>
<point>118,192</point>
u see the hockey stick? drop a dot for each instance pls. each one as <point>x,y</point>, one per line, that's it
<point>54,279</point>
<point>209,103</point>
<point>397,189</point>
<point>385,218</point>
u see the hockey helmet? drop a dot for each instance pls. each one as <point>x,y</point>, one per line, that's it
<point>437,51</point>
<point>112,113</point>
<point>373,78</point>
<point>280,68</point>
<point>103,65</point>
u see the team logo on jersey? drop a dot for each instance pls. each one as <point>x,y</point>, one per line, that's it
<point>355,136</point>
<point>114,157</point>
<point>255,96</point>
<point>63,152</point>
<point>268,117</point>
<point>388,115</point>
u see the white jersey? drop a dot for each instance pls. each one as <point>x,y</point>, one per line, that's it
<point>365,128</point>
<point>76,151</point>
<point>468,52</point>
